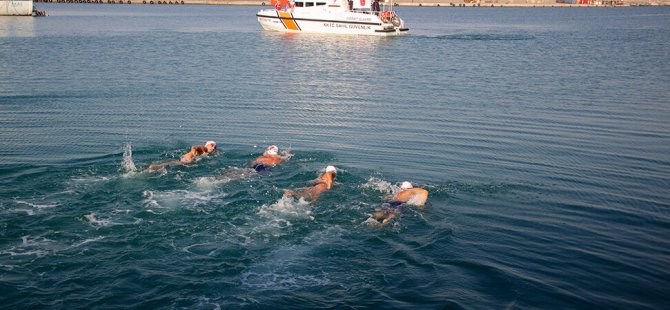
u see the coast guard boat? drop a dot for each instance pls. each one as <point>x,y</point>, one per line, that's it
<point>364,17</point>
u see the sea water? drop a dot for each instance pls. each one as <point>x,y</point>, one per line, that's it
<point>542,136</point>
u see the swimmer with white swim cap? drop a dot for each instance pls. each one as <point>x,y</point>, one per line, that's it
<point>188,158</point>
<point>408,195</point>
<point>270,158</point>
<point>323,183</point>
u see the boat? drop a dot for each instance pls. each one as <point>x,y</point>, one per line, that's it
<point>360,17</point>
<point>16,8</point>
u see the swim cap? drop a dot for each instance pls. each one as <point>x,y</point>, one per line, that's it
<point>406,185</point>
<point>212,143</point>
<point>331,169</point>
<point>272,150</point>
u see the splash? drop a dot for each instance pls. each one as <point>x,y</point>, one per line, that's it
<point>128,165</point>
<point>288,207</point>
<point>149,200</point>
<point>176,199</point>
<point>380,185</point>
<point>91,219</point>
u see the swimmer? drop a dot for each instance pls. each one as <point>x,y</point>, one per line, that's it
<point>410,195</point>
<point>188,158</point>
<point>323,183</point>
<point>270,158</point>
<point>407,196</point>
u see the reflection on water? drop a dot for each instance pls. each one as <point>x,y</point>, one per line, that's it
<point>17,26</point>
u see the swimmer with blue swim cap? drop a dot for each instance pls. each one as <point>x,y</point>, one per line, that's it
<point>270,158</point>
<point>408,195</point>
<point>188,158</point>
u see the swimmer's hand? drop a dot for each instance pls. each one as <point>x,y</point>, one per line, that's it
<point>286,154</point>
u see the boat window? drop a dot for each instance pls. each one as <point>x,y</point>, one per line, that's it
<point>320,3</point>
<point>309,3</point>
<point>299,4</point>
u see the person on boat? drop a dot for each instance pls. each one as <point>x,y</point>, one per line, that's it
<point>408,195</point>
<point>322,184</point>
<point>375,7</point>
<point>188,158</point>
<point>270,158</point>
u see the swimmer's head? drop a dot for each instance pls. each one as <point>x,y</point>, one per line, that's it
<point>331,169</point>
<point>406,185</point>
<point>272,150</point>
<point>211,146</point>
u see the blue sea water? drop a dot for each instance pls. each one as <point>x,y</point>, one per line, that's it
<point>542,136</point>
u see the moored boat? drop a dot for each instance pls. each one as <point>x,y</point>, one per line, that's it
<point>363,17</point>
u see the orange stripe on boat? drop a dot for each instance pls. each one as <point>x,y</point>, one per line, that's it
<point>288,20</point>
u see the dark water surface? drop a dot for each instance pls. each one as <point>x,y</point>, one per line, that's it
<point>542,136</point>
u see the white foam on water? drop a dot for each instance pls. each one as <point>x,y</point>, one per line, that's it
<point>290,267</point>
<point>277,280</point>
<point>93,179</point>
<point>205,183</point>
<point>27,211</point>
<point>234,174</point>
<point>11,252</point>
<point>36,206</point>
<point>91,219</point>
<point>176,199</point>
<point>237,234</point>
<point>149,200</point>
<point>207,303</point>
<point>86,242</point>
<point>370,221</point>
<point>7,267</point>
<point>30,246</point>
<point>380,185</point>
<point>287,207</point>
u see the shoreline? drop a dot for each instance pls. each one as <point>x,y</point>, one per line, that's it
<point>412,3</point>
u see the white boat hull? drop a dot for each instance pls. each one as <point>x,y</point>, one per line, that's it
<point>319,20</point>
<point>16,7</point>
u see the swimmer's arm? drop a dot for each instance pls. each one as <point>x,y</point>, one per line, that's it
<point>156,166</point>
<point>388,218</point>
<point>291,194</point>
<point>286,154</point>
